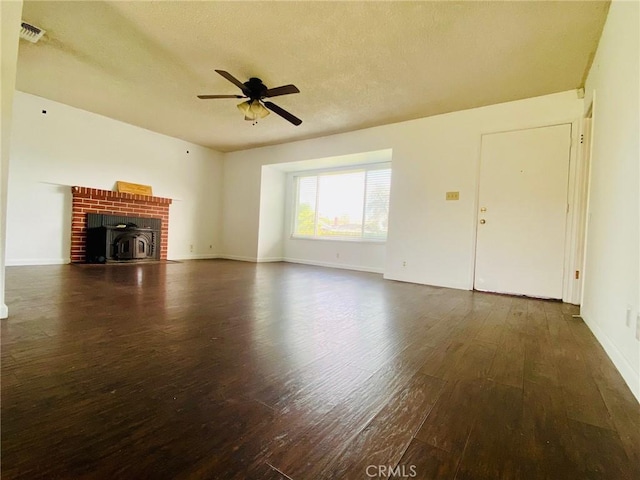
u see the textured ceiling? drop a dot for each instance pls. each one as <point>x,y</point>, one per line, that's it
<point>357,64</point>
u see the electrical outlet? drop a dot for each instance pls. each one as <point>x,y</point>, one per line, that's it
<point>452,196</point>
<point>191,248</point>
<point>628,321</point>
<point>638,327</point>
<point>404,264</point>
<point>210,247</point>
<point>337,255</point>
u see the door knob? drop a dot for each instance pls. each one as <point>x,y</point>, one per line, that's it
<point>483,221</point>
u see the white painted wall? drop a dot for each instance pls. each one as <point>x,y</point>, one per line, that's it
<point>241,210</point>
<point>350,255</point>
<point>67,146</point>
<point>10,15</point>
<point>612,270</point>
<point>272,206</point>
<point>432,155</point>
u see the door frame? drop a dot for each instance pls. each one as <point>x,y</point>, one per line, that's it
<point>576,174</point>
<point>583,189</point>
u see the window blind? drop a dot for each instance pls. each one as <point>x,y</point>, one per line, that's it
<point>343,204</point>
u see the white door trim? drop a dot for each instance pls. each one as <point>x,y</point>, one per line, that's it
<point>576,230</point>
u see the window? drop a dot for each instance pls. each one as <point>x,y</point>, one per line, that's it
<point>343,204</point>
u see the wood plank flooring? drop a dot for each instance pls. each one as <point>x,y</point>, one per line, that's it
<point>229,370</point>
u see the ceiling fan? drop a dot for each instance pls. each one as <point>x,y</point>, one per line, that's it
<point>256,92</point>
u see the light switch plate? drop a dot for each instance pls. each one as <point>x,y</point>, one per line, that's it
<point>452,196</point>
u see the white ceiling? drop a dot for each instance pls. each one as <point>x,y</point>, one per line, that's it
<point>357,64</point>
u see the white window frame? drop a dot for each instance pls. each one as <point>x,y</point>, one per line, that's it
<point>329,171</point>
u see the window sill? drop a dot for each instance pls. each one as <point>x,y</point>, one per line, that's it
<point>339,239</point>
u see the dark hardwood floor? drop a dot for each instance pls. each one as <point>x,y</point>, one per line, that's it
<point>230,370</point>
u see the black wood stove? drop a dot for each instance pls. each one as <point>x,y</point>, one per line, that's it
<point>116,238</point>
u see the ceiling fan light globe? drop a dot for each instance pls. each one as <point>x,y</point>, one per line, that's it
<point>253,110</point>
<point>244,107</point>
<point>258,109</point>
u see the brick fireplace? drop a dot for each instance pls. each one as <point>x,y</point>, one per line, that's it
<point>91,200</point>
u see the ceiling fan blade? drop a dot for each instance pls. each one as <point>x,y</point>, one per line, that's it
<point>283,113</point>
<point>283,90</point>
<point>207,97</point>
<point>232,79</point>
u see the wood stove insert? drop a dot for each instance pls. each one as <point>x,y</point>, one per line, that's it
<point>117,238</point>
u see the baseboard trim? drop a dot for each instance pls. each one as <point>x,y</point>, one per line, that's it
<point>239,258</point>
<point>422,282</point>
<point>271,259</point>
<point>358,268</point>
<point>630,376</point>
<point>4,311</point>
<point>21,262</point>
<point>206,256</point>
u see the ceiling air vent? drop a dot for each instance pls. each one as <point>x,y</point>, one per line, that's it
<point>30,33</point>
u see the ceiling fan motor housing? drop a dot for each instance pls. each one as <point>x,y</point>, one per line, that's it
<point>255,89</point>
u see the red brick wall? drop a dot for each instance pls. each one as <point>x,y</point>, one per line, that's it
<point>91,200</point>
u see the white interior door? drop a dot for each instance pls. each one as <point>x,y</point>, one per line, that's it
<point>522,211</point>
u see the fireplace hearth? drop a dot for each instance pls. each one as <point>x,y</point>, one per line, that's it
<point>116,238</point>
